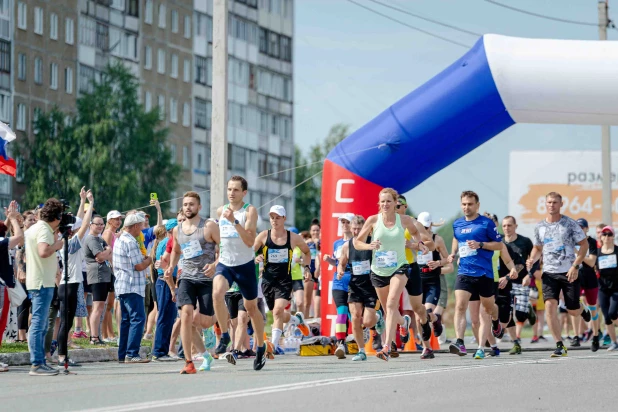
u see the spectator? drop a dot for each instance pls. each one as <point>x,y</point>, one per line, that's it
<point>23,311</point>
<point>110,234</point>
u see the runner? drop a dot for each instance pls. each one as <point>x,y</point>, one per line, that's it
<point>475,237</point>
<point>298,279</point>
<point>237,225</point>
<point>340,285</point>
<point>277,245</point>
<point>389,267</point>
<point>196,239</point>
<point>608,293</point>
<point>314,297</point>
<point>606,338</point>
<point>555,237</point>
<point>362,297</point>
<point>590,290</point>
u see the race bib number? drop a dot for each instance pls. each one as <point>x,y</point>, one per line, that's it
<point>465,251</point>
<point>423,259</point>
<point>338,253</point>
<point>552,245</point>
<point>386,259</point>
<point>227,229</point>
<point>607,262</point>
<point>191,249</point>
<point>361,268</point>
<point>278,256</point>
<point>314,253</point>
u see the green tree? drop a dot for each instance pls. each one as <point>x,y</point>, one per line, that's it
<point>111,145</point>
<point>308,195</point>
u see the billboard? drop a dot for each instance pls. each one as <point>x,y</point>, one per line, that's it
<point>576,175</point>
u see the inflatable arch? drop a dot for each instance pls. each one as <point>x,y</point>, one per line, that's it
<point>499,82</point>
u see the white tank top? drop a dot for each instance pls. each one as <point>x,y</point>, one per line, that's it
<point>232,250</point>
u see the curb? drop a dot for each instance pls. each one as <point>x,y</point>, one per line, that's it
<point>79,355</point>
<point>548,349</point>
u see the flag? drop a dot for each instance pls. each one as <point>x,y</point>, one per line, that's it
<point>7,165</point>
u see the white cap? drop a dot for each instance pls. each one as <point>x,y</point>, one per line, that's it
<point>347,216</point>
<point>77,224</point>
<point>425,219</point>
<point>114,214</point>
<point>134,219</point>
<point>277,209</point>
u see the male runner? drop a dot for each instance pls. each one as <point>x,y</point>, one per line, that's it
<point>475,237</point>
<point>555,238</point>
<point>277,246</point>
<point>237,225</point>
<point>196,239</point>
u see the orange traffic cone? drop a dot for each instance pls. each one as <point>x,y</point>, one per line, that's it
<point>369,345</point>
<point>411,345</point>
<point>435,345</point>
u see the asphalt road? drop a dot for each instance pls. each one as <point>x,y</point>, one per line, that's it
<point>531,381</point>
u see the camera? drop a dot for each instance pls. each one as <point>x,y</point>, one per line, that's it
<point>66,220</point>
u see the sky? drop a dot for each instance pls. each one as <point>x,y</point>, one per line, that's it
<point>350,65</point>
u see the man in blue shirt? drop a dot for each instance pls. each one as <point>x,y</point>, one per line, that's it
<point>475,238</point>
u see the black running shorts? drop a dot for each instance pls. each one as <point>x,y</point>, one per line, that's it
<point>362,291</point>
<point>192,292</point>
<point>554,283</point>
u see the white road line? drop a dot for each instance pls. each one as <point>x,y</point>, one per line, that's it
<point>303,385</point>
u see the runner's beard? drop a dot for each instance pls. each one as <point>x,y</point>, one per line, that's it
<point>190,215</point>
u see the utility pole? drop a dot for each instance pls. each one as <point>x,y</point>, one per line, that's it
<point>218,135</point>
<point>606,149</point>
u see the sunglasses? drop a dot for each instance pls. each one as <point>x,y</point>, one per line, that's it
<point>607,234</point>
<point>399,206</point>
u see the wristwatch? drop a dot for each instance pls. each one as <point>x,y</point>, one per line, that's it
<point>481,244</point>
<point>236,222</point>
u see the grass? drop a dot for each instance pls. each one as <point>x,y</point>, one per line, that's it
<point>82,343</point>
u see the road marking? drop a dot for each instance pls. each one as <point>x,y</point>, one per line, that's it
<point>302,385</point>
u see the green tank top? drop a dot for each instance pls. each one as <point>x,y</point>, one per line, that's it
<point>495,263</point>
<point>297,272</point>
<point>392,253</point>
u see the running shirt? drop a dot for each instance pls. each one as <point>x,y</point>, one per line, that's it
<point>344,282</point>
<point>424,259</point>
<point>392,254</point>
<point>585,270</point>
<point>297,271</point>
<point>277,259</point>
<point>503,270</point>
<point>522,247</point>
<point>475,262</point>
<point>558,240</point>
<point>196,252</point>
<point>232,250</point>
<point>313,248</point>
<point>608,269</point>
<point>409,252</point>
<point>360,260</point>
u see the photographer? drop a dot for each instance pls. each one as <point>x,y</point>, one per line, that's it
<point>41,276</point>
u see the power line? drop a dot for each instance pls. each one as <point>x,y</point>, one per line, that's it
<point>427,18</point>
<point>543,16</point>
<point>409,25</point>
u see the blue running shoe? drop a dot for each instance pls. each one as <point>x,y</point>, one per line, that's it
<point>480,354</point>
<point>208,361</point>
<point>279,351</point>
<point>380,325</point>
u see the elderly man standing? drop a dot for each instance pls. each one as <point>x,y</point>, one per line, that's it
<point>130,270</point>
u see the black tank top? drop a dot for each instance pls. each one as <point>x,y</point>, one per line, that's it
<point>277,259</point>
<point>427,273</point>
<point>359,262</point>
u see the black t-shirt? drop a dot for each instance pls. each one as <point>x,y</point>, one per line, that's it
<point>6,263</point>
<point>520,250</point>
<point>608,269</point>
<point>503,270</point>
<point>592,250</point>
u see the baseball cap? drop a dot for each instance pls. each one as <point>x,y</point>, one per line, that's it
<point>347,216</point>
<point>425,219</point>
<point>278,210</point>
<point>77,224</point>
<point>582,222</point>
<point>608,229</point>
<point>294,230</point>
<point>134,219</point>
<point>114,214</point>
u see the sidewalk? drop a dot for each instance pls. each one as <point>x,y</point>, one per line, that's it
<point>78,355</point>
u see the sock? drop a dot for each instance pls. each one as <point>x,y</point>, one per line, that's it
<point>517,341</point>
<point>362,350</point>
<point>559,344</point>
<point>225,336</point>
<point>494,346</point>
<point>341,323</point>
<point>262,349</point>
<point>276,336</point>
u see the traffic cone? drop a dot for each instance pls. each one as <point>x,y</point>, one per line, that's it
<point>411,345</point>
<point>369,345</point>
<point>435,345</point>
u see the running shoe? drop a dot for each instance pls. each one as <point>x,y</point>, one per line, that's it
<point>458,348</point>
<point>613,347</point>
<point>231,356</point>
<point>531,315</point>
<point>340,351</point>
<point>594,345</point>
<point>437,326</point>
<point>587,335</point>
<point>223,343</point>
<point>164,358</point>
<point>43,370</point>
<point>210,340</point>
<point>427,354</point>
<point>304,329</point>
<point>607,340</point>
<point>250,330</point>
<point>394,353</point>
<point>207,363</point>
<point>516,349</point>
<point>494,352</point>
<point>377,340</point>
<point>586,313</point>
<point>498,331</point>
<point>270,350</point>
<point>246,354</point>
<point>359,357</point>
<point>189,369</point>
<point>279,351</point>
<point>535,339</point>
<point>426,329</point>
<point>136,359</point>
<point>383,354</point>
<point>380,324</point>
<point>480,354</point>
<point>404,330</point>
<point>542,338</point>
<point>260,358</point>
<point>575,342</point>
<point>366,332</point>
<point>561,351</point>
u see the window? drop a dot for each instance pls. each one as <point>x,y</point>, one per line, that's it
<point>118,4</point>
<point>187,71</point>
<point>162,16</point>
<point>5,56</point>
<point>69,37</point>
<point>263,122</point>
<point>87,32</point>
<point>273,47</point>
<point>174,73</point>
<point>187,27</point>
<point>87,78</point>
<point>68,80</point>
<point>252,3</point>
<point>53,26</point>
<point>186,115</point>
<point>201,70</point>
<point>147,101</point>
<point>286,49</point>
<point>5,108</point>
<point>21,117</point>
<point>22,16</point>
<point>38,70</point>
<point>236,157</point>
<point>134,8</point>
<point>173,110</point>
<point>161,104</point>
<point>102,39</point>
<point>203,26</point>
<point>185,157</point>
<point>274,125</point>
<point>38,20</point>
<point>148,12</point>
<point>262,165</point>
<point>263,43</point>
<point>161,61</point>
<point>203,113</point>
<point>53,76</point>
<point>174,21</point>
<point>286,174</point>
<point>21,66</point>
<point>147,58</point>
<point>173,152</point>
